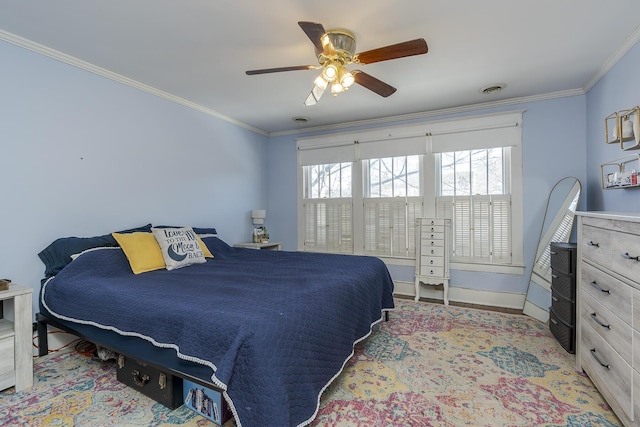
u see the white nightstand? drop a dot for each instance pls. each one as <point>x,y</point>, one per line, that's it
<point>16,355</point>
<point>276,246</point>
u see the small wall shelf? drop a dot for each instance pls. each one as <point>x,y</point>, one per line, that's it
<point>620,173</point>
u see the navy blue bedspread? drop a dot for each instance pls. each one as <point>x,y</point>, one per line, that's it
<point>276,327</point>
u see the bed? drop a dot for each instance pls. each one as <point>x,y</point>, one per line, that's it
<point>271,329</point>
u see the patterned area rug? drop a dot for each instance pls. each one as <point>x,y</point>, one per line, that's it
<point>430,365</point>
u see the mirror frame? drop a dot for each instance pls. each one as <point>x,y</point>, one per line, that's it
<point>560,221</point>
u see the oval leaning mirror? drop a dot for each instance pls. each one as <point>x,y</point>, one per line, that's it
<point>557,226</point>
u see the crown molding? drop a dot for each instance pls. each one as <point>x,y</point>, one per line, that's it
<point>613,60</point>
<point>430,114</point>
<point>78,63</point>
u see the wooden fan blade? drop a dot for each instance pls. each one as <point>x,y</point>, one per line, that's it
<point>394,51</point>
<point>373,84</point>
<point>280,69</point>
<point>314,31</point>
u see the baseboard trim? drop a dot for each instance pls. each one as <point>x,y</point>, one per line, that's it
<point>464,296</point>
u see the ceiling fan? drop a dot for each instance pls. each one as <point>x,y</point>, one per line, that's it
<point>335,50</point>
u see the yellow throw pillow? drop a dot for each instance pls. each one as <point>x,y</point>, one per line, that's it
<point>205,250</point>
<point>142,251</point>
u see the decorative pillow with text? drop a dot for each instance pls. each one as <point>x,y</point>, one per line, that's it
<point>179,246</point>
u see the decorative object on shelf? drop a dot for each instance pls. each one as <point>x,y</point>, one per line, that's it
<point>4,284</point>
<point>629,126</point>
<point>623,127</point>
<point>260,234</point>
<point>620,173</point>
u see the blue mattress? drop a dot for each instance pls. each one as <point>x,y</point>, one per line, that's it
<point>274,327</point>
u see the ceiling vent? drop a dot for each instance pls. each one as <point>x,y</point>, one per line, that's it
<point>493,88</point>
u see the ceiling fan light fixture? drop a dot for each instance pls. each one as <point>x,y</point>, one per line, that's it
<point>336,50</point>
<point>336,88</point>
<point>345,78</point>
<point>330,72</point>
<point>321,82</point>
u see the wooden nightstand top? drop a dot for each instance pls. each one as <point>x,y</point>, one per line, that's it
<point>271,246</point>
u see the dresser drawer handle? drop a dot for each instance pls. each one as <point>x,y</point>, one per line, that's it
<point>554,276</point>
<point>593,353</point>
<point>604,291</point>
<point>555,299</point>
<point>627,256</point>
<point>553,253</point>
<point>594,316</point>
<point>597,245</point>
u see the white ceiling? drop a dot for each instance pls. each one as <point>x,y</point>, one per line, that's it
<point>197,51</point>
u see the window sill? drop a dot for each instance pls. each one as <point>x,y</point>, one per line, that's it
<point>488,268</point>
<point>411,262</point>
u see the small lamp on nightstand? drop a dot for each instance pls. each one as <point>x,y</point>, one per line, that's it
<point>260,234</point>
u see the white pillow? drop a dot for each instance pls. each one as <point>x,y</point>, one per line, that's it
<point>179,246</point>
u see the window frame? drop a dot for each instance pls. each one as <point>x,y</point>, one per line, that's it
<point>341,147</point>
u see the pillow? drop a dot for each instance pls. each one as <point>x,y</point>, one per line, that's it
<point>179,246</point>
<point>206,232</point>
<point>218,246</point>
<point>142,251</point>
<point>57,255</point>
<point>205,250</point>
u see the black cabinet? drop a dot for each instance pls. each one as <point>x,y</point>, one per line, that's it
<point>562,313</point>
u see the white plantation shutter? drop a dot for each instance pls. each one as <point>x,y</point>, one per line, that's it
<point>462,221</point>
<point>481,227</point>
<point>414,211</point>
<point>501,217</point>
<point>389,226</point>
<point>328,225</point>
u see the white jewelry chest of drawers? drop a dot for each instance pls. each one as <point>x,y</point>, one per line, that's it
<point>608,313</point>
<point>432,254</point>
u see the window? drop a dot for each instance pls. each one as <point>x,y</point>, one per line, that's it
<point>327,208</point>
<point>360,192</point>
<point>392,202</point>
<point>474,193</point>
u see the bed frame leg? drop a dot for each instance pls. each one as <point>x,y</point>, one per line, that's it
<point>386,316</point>
<point>43,342</point>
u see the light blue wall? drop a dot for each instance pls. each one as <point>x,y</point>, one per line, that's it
<point>618,90</point>
<point>83,155</point>
<point>554,146</point>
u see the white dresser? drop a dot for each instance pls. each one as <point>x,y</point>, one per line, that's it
<point>608,314</point>
<point>432,254</point>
